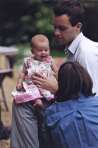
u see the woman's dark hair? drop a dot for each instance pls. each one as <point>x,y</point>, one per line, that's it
<point>73,80</point>
<point>72,8</point>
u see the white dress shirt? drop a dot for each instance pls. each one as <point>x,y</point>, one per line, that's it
<point>85,51</point>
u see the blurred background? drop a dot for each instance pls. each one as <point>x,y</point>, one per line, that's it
<point>21,19</point>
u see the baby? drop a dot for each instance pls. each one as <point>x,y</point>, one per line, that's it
<point>39,62</point>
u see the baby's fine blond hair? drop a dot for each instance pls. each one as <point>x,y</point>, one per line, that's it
<point>39,38</point>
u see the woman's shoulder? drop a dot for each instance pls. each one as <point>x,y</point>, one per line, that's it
<point>60,106</point>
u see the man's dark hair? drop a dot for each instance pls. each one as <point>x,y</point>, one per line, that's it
<point>73,80</point>
<point>72,8</point>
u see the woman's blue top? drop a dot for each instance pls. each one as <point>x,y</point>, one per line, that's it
<point>73,123</point>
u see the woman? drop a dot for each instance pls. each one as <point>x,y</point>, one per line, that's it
<point>72,121</point>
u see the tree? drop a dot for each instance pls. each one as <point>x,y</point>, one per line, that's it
<point>21,19</point>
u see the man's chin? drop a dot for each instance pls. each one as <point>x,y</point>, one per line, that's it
<point>60,45</point>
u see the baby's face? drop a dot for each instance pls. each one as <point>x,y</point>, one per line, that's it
<point>41,51</point>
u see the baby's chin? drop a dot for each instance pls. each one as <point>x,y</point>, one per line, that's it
<point>43,59</point>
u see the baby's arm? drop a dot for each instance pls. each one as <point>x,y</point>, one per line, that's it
<point>20,80</point>
<point>21,77</point>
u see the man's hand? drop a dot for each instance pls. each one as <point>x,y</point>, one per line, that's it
<point>45,83</point>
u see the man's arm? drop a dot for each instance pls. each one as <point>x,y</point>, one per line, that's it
<point>50,84</point>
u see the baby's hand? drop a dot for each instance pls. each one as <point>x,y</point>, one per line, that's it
<point>38,103</point>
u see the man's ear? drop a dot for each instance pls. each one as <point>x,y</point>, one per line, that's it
<point>79,25</point>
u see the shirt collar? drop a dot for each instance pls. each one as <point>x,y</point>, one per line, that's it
<point>74,45</point>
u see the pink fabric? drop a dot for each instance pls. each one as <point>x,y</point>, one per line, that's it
<point>32,92</point>
<point>26,96</point>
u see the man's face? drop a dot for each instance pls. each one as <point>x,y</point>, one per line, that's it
<point>64,32</point>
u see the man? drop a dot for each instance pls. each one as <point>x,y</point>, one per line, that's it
<point>68,22</point>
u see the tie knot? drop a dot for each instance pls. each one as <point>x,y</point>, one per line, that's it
<point>67,52</point>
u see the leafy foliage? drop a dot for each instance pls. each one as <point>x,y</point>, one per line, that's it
<point>21,19</point>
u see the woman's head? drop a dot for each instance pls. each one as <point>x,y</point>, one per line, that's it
<point>73,80</point>
<point>40,47</point>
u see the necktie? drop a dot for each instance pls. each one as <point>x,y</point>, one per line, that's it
<point>67,53</point>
